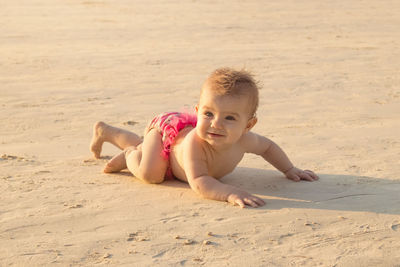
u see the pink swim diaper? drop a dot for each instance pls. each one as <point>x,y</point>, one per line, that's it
<point>169,124</point>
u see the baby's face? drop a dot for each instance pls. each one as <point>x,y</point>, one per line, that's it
<point>222,120</point>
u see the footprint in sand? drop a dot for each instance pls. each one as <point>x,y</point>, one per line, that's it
<point>130,123</point>
<point>6,157</point>
<point>42,172</point>
<point>90,162</point>
<point>76,206</point>
<point>395,227</point>
<point>138,236</point>
<point>107,256</point>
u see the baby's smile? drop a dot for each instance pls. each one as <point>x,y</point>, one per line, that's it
<point>216,135</point>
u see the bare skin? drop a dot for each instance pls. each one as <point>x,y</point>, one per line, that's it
<point>116,164</point>
<point>121,138</point>
<point>203,154</point>
<point>142,157</point>
<point>200,155</point>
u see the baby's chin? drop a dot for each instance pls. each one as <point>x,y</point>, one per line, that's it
<point>219,142</point>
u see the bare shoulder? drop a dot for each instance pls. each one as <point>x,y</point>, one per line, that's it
<point>192,142</point>
<point>195,159</point>
<point>255,143</point>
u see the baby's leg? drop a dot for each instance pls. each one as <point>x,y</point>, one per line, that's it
<point>118,162</point>
<point>147,163</point>
<point>121,138</point>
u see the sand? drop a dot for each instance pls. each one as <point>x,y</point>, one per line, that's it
<point>330,98</point>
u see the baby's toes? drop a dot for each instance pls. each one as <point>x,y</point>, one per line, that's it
<point>108,168</point>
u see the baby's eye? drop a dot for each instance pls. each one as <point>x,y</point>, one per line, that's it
<point>230,118</point>
<point>208,114</point>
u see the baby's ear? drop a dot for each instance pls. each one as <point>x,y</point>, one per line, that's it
<point>251,123</point>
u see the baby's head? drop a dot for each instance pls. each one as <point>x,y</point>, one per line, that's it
<point>227,107</point>
<point>233,83</point>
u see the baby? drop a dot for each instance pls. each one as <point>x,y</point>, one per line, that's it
<point>203,147</point>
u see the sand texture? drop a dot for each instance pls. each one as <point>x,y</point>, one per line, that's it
<point>330,98</point>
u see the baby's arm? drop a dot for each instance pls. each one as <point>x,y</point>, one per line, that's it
<point>211,188</point>
<point>201,182</point>
<point>272,153</point>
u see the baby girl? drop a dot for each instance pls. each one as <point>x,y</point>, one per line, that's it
<point>201,148</point>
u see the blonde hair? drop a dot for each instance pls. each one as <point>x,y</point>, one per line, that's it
<point>230,82</point>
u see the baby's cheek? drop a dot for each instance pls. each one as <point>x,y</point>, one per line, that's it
<point>200,131</point>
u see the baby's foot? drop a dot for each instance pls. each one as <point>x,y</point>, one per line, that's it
<point>97,139</point>
<point>116,164</point>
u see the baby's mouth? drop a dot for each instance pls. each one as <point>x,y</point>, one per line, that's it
<point>215,134</point>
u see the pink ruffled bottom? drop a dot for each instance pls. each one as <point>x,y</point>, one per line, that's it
<point>169,125</point>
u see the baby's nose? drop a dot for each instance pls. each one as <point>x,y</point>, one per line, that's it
<point>216,123</point>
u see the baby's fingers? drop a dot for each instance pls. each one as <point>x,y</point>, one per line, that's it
<point>239,202</point>
<point>250,202</point>
<point>294,177</point>
<point>312,174</point>
<point>254,201</point>
<point>306,176</point>
<point>259,201</point>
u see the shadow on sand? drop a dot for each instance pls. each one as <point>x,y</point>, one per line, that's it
<point>330,192</point>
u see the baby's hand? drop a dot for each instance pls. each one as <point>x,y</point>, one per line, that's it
<point>296,175</point>
<point>243,198</point>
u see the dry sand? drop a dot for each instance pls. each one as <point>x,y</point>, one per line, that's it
<point>330,98</point>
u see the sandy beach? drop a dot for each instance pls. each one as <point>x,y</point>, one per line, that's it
<point>330,98</point>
